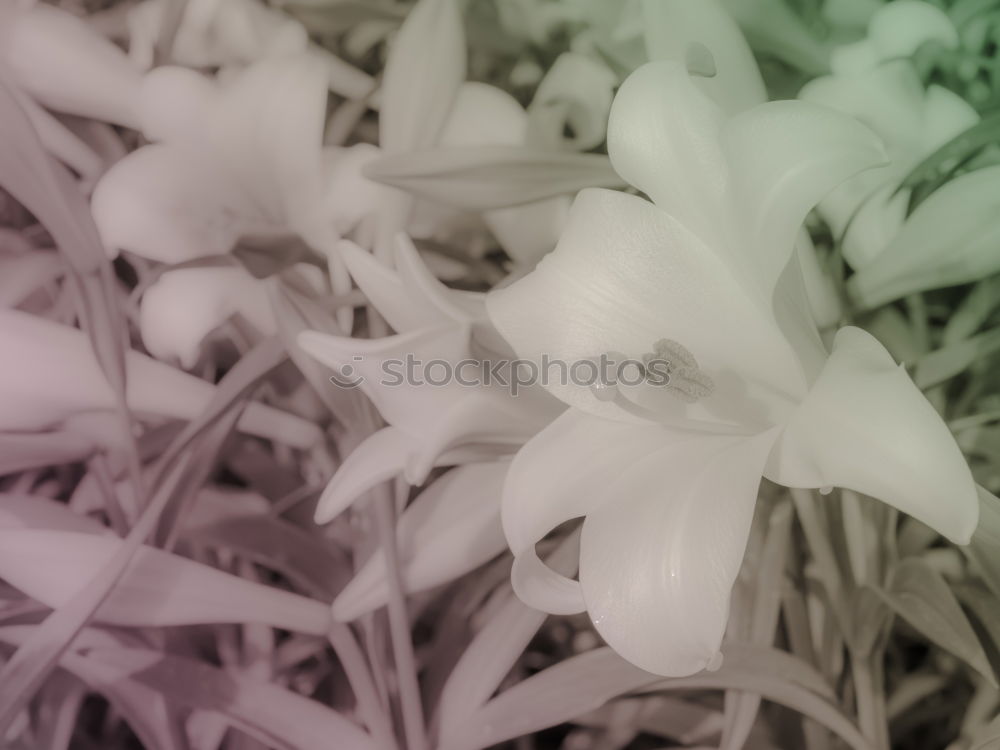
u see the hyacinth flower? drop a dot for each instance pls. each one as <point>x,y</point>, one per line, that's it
<point>58,383</point>
<point>874,81</point>
<point>703,280</point>
<point>429,425</point>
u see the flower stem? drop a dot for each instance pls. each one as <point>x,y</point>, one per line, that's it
<point>869,687</point>
<point>399,625</point>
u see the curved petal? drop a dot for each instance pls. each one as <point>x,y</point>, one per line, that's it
<point>379,458</point>
<point>181,307</point>
<point>949,239</point>
<point>785,157</point>
<point>562,473</point>
<point>626,275</point>
<point>398,373</point>
<point>663,138</point>
<point>900,27</point>
<point>946,114</point>
<point>490,417</point>
<point>576,92</point>
<point>402,309</point>
<point>429,291</point>
<point>169,204</point>
<point>658,563</point>
<point>483,115</point>
<point>67,66</point>
<point>267,127</point>
<point>58,377</point>
<point>672,26</point>
<point>866,427</point>
<point>451,528</point>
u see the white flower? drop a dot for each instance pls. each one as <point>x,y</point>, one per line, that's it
<point>706,275</point>
<point>428,425</point>
<point>871,83</point>
<point>54,380</point>
<point>65,65</point>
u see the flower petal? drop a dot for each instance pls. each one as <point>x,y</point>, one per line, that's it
<point>866,427</point>
<point>785,157</point>
<point>451,528</point>
<point>166,203</point>
<point>402,309</point>
<point>564,472</point>
<point>379,458</point>
<point>658,563</point>
<point>268,128</point>
<point>626,275</point>
<point>183,305</point>
<point>949,239</point>
<point>672,26</point>
<point>58,377</point>
<point>67,66</point>
<point>663,138</point>
<point>394,371</point>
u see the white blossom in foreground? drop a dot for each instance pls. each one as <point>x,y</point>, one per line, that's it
<point>704,277</point>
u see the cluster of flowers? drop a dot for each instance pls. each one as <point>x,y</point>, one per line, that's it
<point>244,203</point>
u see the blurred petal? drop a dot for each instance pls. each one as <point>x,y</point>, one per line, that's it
<point>421,77</point>
<point>951,238</point>
<point>483,115</point>
<point>349,195</point>
<point>379,458</point>
<point>268,129</point>
<point>451,528</point>
<point>174,104</point>
<point>866,427</point>
<point>900,27</point>
<point>672,26</point>
<point>485,416</point>
<point>167,204</point>
<point>67,66</point>
<point>58,377</point>
<point>658,562</point>
<point>391,370</point>
<point>184,305</point>
<point>575,93</point>
<point>626,275</point>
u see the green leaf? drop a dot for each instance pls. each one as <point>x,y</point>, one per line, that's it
<point>919,595</point>
<point>583,683</point>
<point>945,363</point>
<point>497,647</point>
<point>984,548</point>
<point>157,589</point>
<point>486,177</point>
<point>277,717</point>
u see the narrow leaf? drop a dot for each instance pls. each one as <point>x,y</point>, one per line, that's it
<point>919,595</point>
<point>157,589</point>
<point>487,177</point>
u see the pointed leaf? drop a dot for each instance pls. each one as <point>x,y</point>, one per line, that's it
<point>489,177</point>
<point>919,595</point>
<point>157,589</point>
